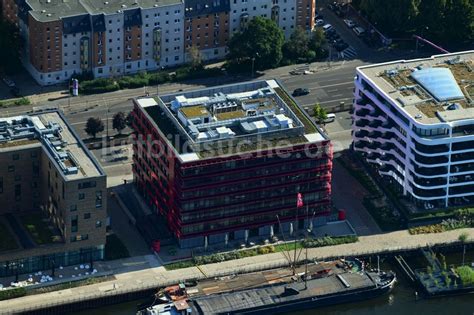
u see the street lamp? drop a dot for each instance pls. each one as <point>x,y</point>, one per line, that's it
<point>13,265</point>
<point>253,62</point>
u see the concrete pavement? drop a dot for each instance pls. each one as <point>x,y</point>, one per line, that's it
<point>151,275</point>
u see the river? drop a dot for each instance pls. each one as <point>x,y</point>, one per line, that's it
<point>401,301</point>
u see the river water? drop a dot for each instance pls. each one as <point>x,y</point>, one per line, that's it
<point>401,301</point>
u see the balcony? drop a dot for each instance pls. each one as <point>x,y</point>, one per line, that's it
<point>429,182</point>
<point>362,123</point>
<point>462,157</point>
<point>362,112</point>
<point>431,160</point>
<point>430,171</point>
<point>375,123</point>
<point>461,179</point>
<point>461,168</point>
<point>429,193</point>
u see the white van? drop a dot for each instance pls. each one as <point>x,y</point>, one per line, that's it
<point>330,118</point>
<point>359,30</point>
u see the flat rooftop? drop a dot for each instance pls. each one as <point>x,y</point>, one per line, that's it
<point>53,10</point>
<point>50,131</point>
<point>214,121</point>
<point>433,90</point>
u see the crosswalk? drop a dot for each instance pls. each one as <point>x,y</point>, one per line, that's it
<point>348,53</point>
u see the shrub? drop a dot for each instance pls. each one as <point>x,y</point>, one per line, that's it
<point>158,78</point>
<point>12,293</point>
<point>466,274</point>
<point>130,82</point>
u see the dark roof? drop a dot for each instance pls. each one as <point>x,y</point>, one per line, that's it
<point>76,24</point>
<point>203,7</point>
<point>132,17</point>
<point>98,23</point>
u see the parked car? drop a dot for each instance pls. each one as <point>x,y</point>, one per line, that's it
<point>330,118</point>
<point>327,27</point>
<point>300,92</point>
<point>359,30</point>
<point>9,82</point>
<point>318,16</point>
<point>349,23</point>
<point>319,22</point>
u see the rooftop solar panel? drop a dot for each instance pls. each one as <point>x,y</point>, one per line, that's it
<point>439,82</point>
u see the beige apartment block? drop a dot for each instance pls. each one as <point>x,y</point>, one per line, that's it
<point>50,185</point>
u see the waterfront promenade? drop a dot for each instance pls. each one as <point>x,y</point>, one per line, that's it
<point>128,279</point>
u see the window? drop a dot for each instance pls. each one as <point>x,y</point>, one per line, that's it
<point>11,168</point>
<point>98,224</point>
<point>87,215</point>
<point>74,223</point>
<point>1,185</point>
<point>15,157</point>
<point>98,199</point>
<point>82,196</point>
<point>17,178</point>
<point>34,154</point>
<point>73,208</point>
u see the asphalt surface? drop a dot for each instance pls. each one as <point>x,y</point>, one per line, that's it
<point>327,87</point>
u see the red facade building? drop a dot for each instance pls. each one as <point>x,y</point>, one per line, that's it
<point>227,163</point>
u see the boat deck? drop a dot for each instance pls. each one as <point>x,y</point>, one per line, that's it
<point>258,279</point>
<point>255,290</point>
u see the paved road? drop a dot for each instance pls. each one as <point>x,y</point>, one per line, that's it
<point>328,87</point>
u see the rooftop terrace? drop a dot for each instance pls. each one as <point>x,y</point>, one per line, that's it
<point>50,131</point>
<point>215,121</point>
<point>432,90</point>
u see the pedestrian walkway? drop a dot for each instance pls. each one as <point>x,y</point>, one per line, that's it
<point>128,279</point>
<point>348,54</point>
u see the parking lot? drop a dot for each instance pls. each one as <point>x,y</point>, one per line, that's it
<point>343,42</point>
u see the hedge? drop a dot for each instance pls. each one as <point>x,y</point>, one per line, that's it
<point>262,250</point>
<point>104,85</point>
<point>12,293</point>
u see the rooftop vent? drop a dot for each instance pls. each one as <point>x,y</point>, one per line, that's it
<point>418,116</point>
<point>391,73</point>
<point>453,106</point>
<point>106,2</point>
<point>124,6</point>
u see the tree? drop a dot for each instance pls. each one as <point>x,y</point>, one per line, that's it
<point>320,114</point>
<point>297,45</point>
<point>195,58</point>
<point>459,21</point>
<point>317,41</point>
<point>119,122</point>
<point>94,126</point>
<point>11,43</point>
<point>262,40</point>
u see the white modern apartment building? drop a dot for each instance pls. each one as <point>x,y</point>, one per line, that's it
<point>414,122</point>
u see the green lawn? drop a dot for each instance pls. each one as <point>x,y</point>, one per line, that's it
<point>38,229</point>
<point>7,241</point>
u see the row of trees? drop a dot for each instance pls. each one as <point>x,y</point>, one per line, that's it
<point>120,121</point>
<point>10,43</point>
<point>446,21</point>
<point>263,44</point>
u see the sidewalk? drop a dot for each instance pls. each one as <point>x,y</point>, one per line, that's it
<point>153,275</point>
